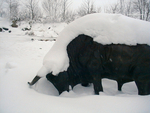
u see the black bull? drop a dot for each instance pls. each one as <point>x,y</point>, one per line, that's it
<point>91,61</point>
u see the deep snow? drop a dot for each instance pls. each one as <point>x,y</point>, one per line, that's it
<point>21,58</point>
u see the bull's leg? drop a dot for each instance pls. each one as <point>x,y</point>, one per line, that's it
<point>121,81</point>
<point>142,78</point>
<point>120,84</point>
<point>97,82</point>
<point>95,72</point>
<point>143,88</point>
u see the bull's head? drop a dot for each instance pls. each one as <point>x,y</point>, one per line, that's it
<point>60,81</point>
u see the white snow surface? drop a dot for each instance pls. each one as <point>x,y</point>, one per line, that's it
<point>103,28</point>
<point>20,58</point>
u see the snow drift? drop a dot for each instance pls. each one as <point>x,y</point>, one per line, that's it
<point>104,28</point>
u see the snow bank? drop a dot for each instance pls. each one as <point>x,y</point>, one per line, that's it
<point>104,28</point>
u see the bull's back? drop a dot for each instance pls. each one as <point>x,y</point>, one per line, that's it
<point>112,61</point>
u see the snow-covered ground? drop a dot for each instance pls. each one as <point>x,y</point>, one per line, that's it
<point>21,58</point>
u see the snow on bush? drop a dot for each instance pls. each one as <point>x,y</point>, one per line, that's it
<point>103,28</point>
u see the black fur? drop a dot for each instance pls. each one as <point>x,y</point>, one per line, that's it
<point>91,61</point>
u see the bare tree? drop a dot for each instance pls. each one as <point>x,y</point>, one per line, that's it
<point>122,6</point>
<point>128,7</point>
<point>143,7</point>
<point>33,8</point>
<point>51,7</point>
<point>12,6</point>
<point>56,10</point>
<point>1,8</point>
<point>9,2</point>
<point>14,11</point>
<point>132,8</point>
<point>24,14</point>
<point>148,11</point>
<point>87,7</point>
<point>65,6</point>
<point>1,3</point>
<point>113,8</point>
<point>98,10</point>
<point>47,6</point>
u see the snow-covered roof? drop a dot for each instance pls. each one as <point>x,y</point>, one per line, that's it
<point>103,28</point>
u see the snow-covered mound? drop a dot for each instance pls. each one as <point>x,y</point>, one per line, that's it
<point>103,28</point>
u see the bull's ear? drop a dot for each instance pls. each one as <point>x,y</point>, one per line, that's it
<point>36,78</point>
